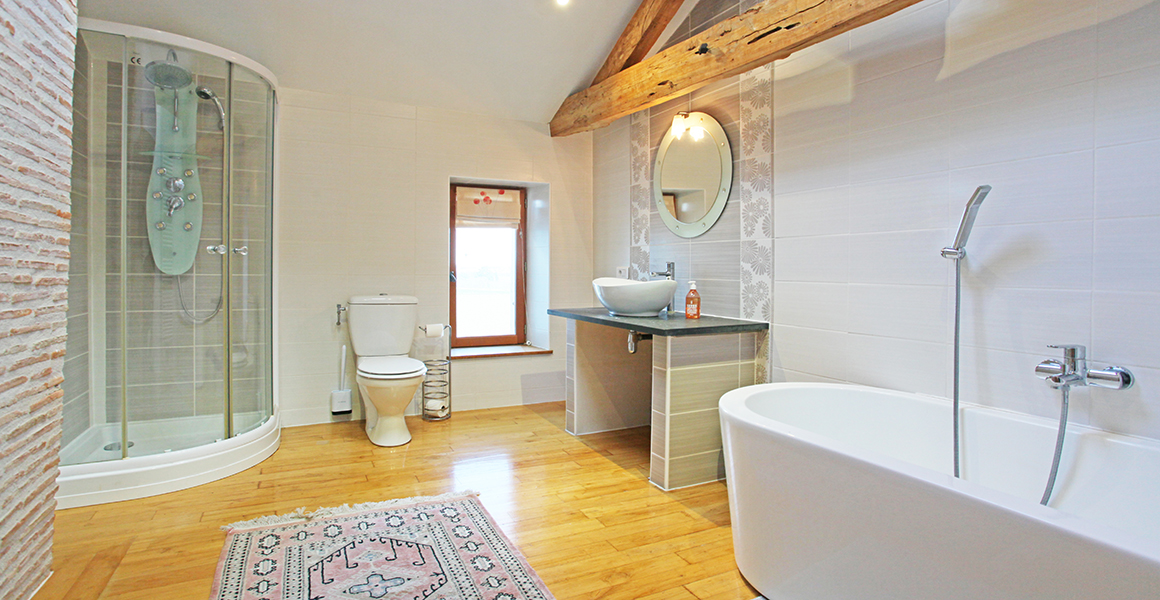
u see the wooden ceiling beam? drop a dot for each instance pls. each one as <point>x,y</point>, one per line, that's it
<point>639,36</point>
<point>767,32</point>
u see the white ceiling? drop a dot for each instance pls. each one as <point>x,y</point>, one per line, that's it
<point>515,59</point>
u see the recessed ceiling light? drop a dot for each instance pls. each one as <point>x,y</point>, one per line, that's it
<point>562,2</point>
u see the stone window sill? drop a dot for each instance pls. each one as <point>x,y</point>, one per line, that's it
<point>496,351</point>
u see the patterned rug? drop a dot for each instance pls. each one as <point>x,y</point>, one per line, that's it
<point>437,548</point>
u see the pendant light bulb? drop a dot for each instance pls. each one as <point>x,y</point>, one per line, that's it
<point>680,124</point>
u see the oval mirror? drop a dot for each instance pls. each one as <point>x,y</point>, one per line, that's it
<point>692,174</point>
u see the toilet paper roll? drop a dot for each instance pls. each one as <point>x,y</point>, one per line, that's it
<point>434,329</point>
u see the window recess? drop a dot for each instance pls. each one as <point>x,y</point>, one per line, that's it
<point>488,266</point>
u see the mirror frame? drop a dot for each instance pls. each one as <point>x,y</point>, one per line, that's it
<point>724,152</point>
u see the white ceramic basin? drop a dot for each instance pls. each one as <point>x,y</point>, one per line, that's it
<point>628,298</point>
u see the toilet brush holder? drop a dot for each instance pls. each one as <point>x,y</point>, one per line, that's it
<point>340,398</point>
<point>340,402</point>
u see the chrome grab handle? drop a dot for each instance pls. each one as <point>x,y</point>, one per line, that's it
<point>219,249</point>
<point>243,250</point>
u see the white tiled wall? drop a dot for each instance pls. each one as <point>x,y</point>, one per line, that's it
<point>880,137</point>
<point>610,204</point>
<point>364,209</point>
<point>1056,108</point>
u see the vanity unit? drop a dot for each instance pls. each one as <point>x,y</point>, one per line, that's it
<point>672,382</point>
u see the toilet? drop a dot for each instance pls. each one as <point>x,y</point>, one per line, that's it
<point>381,329</point>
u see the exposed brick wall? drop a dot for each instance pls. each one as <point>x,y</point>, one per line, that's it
<point>37,44</point>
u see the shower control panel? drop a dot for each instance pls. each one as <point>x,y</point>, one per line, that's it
<point>172,206</point>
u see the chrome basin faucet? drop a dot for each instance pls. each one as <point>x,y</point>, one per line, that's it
<point>669,273</point>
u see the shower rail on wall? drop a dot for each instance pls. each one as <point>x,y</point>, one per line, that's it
<point>169,370</point>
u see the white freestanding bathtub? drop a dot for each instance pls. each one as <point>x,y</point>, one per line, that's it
<point>844,492</point>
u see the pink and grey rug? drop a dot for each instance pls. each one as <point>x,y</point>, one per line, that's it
<point>436,548</point>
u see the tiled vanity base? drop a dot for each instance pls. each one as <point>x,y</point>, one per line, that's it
<point>672,383</point>
<point>689,376</point>
<point>612,385</point>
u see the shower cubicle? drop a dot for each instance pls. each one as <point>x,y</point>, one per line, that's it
<point>168,376</point>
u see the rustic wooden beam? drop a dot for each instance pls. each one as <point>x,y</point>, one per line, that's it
<point>638,37</point>
<point>767,32</point>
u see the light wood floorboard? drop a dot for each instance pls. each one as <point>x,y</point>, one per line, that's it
<point>581,510</point>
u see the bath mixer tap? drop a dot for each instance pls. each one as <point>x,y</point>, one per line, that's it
<point>1073,371</point>
<point>1065,374</point>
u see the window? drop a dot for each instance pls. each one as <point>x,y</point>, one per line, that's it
<point>487,266</point>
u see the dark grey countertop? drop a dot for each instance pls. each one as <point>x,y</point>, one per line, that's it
<point>676,325</point>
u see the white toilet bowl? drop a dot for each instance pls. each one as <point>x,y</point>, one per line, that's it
<point>387,384</point>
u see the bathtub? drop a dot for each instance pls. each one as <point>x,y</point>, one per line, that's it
<point>844,492</point>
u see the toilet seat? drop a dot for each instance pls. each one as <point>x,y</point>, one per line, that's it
<point>390,367</point>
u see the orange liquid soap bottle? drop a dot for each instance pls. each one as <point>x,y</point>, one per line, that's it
<point>693,302</point>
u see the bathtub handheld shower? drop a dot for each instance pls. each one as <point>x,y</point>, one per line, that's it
<point>957,252</point>
<point>958,249</point>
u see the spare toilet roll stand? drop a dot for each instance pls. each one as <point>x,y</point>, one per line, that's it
<point>437,384</point>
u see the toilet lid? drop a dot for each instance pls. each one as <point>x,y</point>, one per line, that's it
<point>390,366</point>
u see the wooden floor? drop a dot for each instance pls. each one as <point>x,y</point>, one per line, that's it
<point>581,510</point>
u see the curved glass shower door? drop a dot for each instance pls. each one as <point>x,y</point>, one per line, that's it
<point>172,199</point>
<point>250,268</point>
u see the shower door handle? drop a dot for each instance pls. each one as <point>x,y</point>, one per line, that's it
<point>242,250</point>
<point>219,249</point>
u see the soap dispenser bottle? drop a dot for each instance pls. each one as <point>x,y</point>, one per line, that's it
<point>693,302</point>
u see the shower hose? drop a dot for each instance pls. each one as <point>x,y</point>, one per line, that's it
<point>188,313</point>
<point>1058,447</point>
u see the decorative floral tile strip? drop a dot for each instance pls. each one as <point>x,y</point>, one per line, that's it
<point>757,204</point>
<point>640,193</point>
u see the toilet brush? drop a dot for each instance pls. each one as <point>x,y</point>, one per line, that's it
<point>340,398</point>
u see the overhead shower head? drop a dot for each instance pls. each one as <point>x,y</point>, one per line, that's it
<point>168,74</point>
<point>207,94</point>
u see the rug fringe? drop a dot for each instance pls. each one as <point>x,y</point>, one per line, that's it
<point>301,515</point>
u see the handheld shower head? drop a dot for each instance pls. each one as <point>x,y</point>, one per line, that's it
<point>207,94</point>
<point>969,216</point>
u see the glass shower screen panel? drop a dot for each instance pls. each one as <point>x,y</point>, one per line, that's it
<point>250,266</point>
<point>173,321</point>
